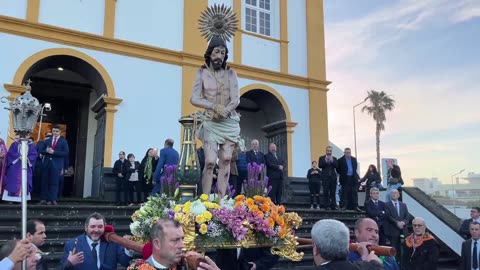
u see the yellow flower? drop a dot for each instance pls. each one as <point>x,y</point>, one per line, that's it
<point>207,215</point>
<point>177,208</point>
<point>200,219</point>
<point>204,197</point>
<point>249,202</point>
<point>186,207</point>
<point>271,222</point>
<point>203,228</point>
<point>215,205</point>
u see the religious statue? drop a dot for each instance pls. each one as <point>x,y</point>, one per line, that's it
<point>216,91</point>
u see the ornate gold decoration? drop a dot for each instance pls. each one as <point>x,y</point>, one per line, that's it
<point>188,224</point>
<point>218,20</point>
<point>288,247</point>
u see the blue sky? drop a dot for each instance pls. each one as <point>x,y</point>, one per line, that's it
<point>426,54</point>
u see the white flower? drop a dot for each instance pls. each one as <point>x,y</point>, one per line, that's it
<point>134,226</point>
<point>227,203</point>
<point>197,208</point>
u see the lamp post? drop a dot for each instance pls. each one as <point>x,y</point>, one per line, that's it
<point>453,191</point>
<point>25,111</point>
<point>354,126</point>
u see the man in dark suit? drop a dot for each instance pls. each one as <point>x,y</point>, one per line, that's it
<point>37,179</point>
<point>471,247</point>
<point>376,211</point>
<point>396,214</point>
<point>36,235</point>
<point>329,164</point>
<point>55,151</point>
<point>88,251</point>
<point>347,169</point>
<point>168,156</point>
<point>330,248</point>
<point>255,155</point>
<point>275,168</point>
<point>465,227</point>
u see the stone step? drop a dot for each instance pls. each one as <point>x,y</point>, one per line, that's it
<point>69,210</point>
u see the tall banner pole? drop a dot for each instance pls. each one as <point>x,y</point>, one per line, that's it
<point>24,192</point>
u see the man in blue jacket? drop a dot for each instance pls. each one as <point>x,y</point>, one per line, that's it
<point>89,251</point>
<point>366,233</point>
<point>54,165</point>
<point>168,156</point>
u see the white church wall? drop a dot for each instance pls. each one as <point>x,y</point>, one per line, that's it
<point>260,53</point>
<point>297,102</point>
<point>151,94</point>
<point>86,15</point>
<point>297,37</point>
<point>14,8</point>
<point>153,22</point>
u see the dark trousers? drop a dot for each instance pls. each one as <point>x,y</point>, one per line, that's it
<point>276,192</point>
<point>395,242</point>
<point>329,190</point>
<point>61,181</point>
<point>131,186</point>
<point>120,189</point>
<point>50,181</point>
<point>349,195</point>
<point>232,181</point>
<point>382,238</point>
<point>314,187</point>
<point>241,176</point>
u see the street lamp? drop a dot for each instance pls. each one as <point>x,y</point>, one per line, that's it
<point>354,126</point>
<point>25,110</point>
<point>454,192</point>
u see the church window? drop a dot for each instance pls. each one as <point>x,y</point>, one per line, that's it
<point>258,16</point>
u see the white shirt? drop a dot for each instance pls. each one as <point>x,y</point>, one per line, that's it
<point>157,265</point>
<point>97,248</point>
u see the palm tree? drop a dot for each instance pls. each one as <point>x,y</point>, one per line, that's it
<point>380,103</point>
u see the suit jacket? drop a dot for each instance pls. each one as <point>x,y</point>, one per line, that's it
<point>258,158</point>
<point>375,212</point>
<point>328,169</point>
<point>42,264</point>
<point>110,254</point>
<point>466,259</point>
<point>465,228</point>
<point>342,169</point>
<point>59,158</point>
<point>390,226</point>
<point>168,156</point>
<point>273,172</point>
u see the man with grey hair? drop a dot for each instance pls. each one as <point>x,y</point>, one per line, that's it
<point>396,220</point>
<point>331,246</point>
<point>421,249</point>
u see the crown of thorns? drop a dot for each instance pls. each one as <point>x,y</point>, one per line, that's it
<point>218,20</point>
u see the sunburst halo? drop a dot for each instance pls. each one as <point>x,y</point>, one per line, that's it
<point>218,20</point>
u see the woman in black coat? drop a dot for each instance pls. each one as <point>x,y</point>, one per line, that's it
<point>373,179</point>
<point>146,171</point>
<point>130,168</point>
<point>314,182</point>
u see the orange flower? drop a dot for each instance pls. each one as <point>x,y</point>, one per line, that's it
<point>280,221</point>
<point>240,198</point>
<point>281,209</point>
<point>282,232</point>
<point>274,209</point>
<point>254,208</point>
<point>238,203</point>
<point>265,207</point>
<point>258,199</point>
<point>250,203</point>
<point>274,216</point>
<point>271,222</point>
<point>260,213</point>
<point>146,266</point>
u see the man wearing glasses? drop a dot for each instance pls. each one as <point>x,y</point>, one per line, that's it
<point>421,249</point>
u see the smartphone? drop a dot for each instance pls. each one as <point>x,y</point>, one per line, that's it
<point>75,247</point>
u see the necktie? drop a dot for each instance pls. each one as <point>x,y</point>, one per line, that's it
<point>94,253</point>
<point>376,203</point>
<point>475,256</point>
<point>54,143</point>
<point>398,209</point>
<point>275,155</point>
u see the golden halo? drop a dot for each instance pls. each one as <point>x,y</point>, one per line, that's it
<point>218,20</point>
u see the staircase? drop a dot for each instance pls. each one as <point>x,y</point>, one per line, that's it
<point>65,221</point>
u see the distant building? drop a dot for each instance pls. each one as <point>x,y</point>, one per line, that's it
<point>430,186</point>
<point>464,188</point>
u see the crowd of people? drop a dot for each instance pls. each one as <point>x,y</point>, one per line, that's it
<point>47,164</point>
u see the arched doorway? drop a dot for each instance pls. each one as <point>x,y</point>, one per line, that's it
<point>82,97</point>
<point>265,116</point>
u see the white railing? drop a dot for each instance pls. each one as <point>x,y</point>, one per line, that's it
<point>435,225</point>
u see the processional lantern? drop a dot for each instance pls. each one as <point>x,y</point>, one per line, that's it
<point>25,111</point>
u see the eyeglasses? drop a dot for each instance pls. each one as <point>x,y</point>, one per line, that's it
<point>417,225</point>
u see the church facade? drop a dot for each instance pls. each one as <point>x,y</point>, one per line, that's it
<point>119,74</point>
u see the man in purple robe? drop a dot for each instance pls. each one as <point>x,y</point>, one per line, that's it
<point>12,184</point>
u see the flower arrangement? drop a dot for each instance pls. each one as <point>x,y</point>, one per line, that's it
<point>143,219</point>
<point>140,264</point>
<point>233,221</point>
